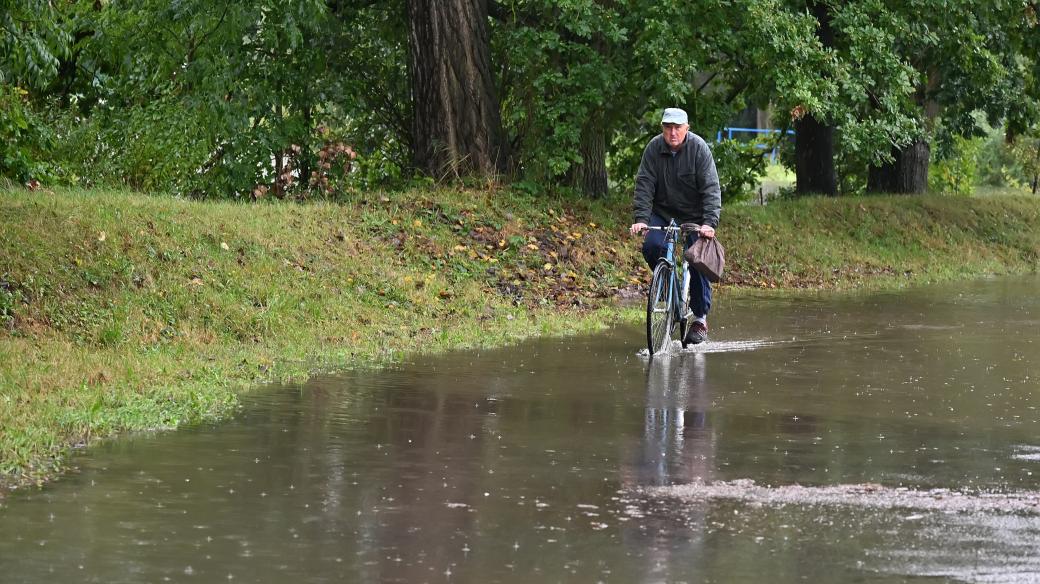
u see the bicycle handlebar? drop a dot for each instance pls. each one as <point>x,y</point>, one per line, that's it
<point>687,227</point>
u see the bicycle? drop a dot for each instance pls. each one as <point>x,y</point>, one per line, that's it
<point>667,303</point>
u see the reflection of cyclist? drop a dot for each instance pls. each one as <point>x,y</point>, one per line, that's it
<point>677,180</point>
<point>677,446</point>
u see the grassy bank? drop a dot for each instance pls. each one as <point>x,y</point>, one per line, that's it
<point>121,311</point>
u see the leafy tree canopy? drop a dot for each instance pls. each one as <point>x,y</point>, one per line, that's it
<point>262,96</point>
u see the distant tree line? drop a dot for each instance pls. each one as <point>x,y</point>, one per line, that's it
<point>313,98</point>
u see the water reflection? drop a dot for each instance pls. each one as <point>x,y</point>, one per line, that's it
<point>677,447</point>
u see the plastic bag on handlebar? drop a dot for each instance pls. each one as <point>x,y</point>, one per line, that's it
<point>708,257</point>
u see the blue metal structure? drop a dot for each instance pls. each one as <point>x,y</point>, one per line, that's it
<point>730,131</point>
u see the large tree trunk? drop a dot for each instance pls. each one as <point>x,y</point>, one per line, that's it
<point>906,174</point>
<point>591,175</point>
<point>814,141</point>
<point>456,123</point>
<point>814,157</point>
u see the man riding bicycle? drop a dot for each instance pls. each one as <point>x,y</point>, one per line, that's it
<point>677,180</point>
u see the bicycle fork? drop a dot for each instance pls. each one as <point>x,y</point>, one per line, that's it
<point>684,303</point>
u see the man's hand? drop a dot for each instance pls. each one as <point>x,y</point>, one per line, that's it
<point>637,228</point>
<point>707,231</point>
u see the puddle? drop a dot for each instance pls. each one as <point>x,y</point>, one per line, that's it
<point>573,460</point>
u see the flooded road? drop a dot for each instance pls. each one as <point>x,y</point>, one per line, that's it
<point>875,438</point>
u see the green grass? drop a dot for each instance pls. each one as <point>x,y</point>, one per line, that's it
<point>777,177</point>
<point>849,242</point>
<point>122,312</point>
<point>993,191</point>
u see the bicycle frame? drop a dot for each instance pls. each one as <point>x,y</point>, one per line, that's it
<point>677,262</point>
<point>678,284</point>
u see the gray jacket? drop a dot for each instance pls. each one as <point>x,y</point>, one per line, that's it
<point>684,187</point>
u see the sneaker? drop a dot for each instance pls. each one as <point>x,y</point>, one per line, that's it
<point>696,334</point>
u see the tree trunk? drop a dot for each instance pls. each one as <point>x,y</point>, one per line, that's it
<point>279,157</point>
<point>303,160</point>
<point>278,166</point>
<point>1036,175</point>
<point>906,174</point>
<point>814,157</point>
<point>456,123</point>
<point>591,175</point>
<point>814,141</point>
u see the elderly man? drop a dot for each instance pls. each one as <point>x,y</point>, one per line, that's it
<point>677,180</point>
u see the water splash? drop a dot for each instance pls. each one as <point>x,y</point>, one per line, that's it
<point>676,348</point>
<point>858,495</point>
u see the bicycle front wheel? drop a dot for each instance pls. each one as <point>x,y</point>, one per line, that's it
<point>659,310</point>
<point>684,303</point>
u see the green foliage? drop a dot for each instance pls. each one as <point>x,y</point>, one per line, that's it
<point>865,88</point>
<point>1026,151</point>
<point>217,99</point>
<point>24,138</point>
<point>32,40</point>
<point>558,77</point>
<point>34,37</point>
<point>7,304</point>
<point>366,93</point>
<point>232,99</point>
<point>241,99</point>
<point>956,173</point>
<point>574,69</point>
<point>740,165</point>
<point>851,167</point>
<point>152,146</point>
<point>1001,164</point>
<point>970,66</point>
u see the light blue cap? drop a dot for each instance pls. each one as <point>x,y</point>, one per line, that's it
<point>674,115</point>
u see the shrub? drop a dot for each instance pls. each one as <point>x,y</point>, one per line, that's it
<point>740,166</point>
<point>23,136</point>
<point>956,173</point>
<point>997,163</point>
<point>1026,152</point>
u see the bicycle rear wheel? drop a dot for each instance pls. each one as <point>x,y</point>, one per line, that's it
<point>659,311</point>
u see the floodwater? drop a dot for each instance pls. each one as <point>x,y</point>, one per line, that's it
<point>872,438</point>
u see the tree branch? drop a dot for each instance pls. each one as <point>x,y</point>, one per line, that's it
<point>195,45</point>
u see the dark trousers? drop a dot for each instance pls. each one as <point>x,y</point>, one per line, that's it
<point>700,287</point>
